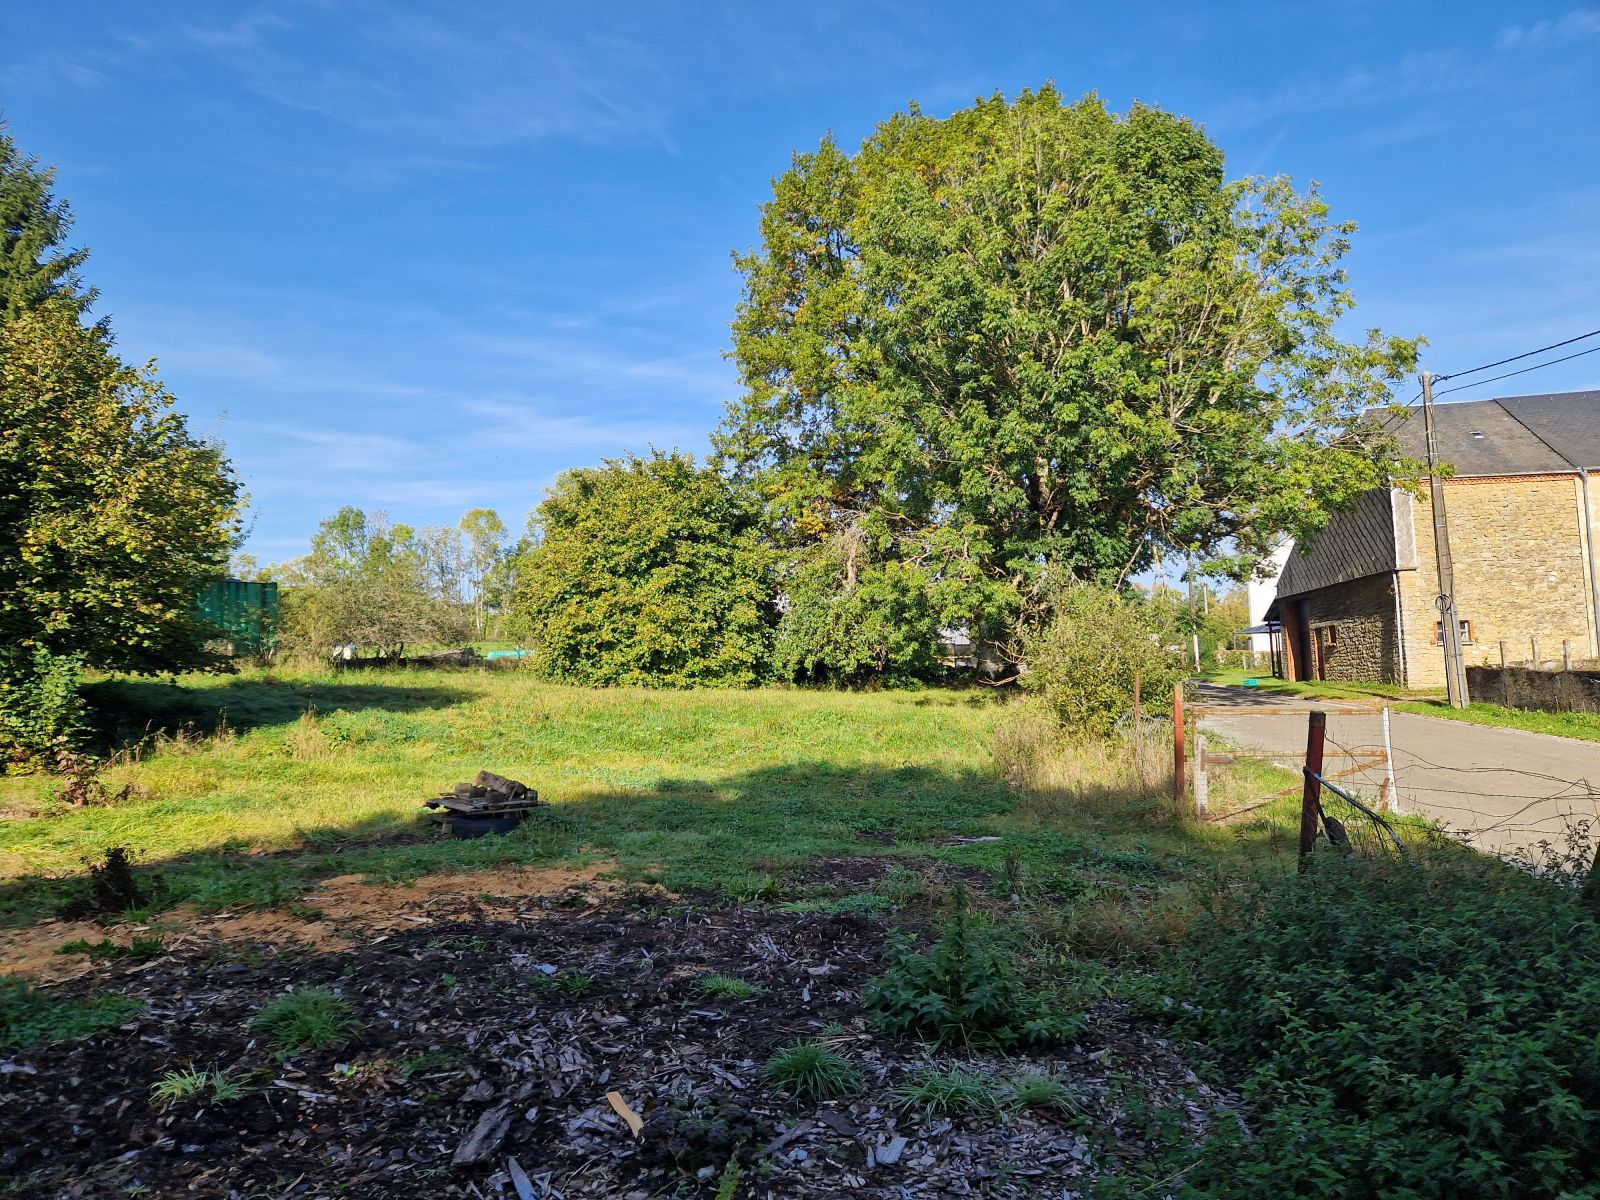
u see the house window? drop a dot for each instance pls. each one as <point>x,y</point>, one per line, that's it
<point>1466,633</point>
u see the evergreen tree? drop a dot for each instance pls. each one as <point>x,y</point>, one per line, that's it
<point>36,265</point>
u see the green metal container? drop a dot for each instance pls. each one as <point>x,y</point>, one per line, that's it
<point>244,614</point>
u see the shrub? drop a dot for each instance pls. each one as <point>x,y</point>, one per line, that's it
<point>1399,1026</point>
<point>1084,660</point>
<point>305,1020</point>
<point>649,571</point>
<point>29,1017</point>
<point>41,711</point>
<point>965,989</point>
<point>812,1071</point>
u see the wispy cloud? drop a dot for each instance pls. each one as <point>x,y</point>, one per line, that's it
<point>522,425</point>
<point>1573,26</point>
<point>448,78</point>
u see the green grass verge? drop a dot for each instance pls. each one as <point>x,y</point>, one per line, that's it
<point>249,789</point>
<point>1316,689</point>
<point>1585,726</point>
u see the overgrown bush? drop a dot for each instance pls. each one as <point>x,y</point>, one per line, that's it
<point>853,622</point>
<point>1084,660</point>
<point>1406,1030</point>
<point>966,989</point>
<point>41,711</point>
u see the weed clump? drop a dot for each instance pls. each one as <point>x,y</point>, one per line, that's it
<point>113,888</point>
<point>812,1071</point>
<point>139,949</point>
<point>29,1017</point>
<point>950,1092</point>
<point>305,1020</point>
<point>966,989</point>
<point>178,1087</point>
<point>727,987</point>
<point>703,1133</point>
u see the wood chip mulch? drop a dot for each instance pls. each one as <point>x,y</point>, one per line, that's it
<point>486,1051</point>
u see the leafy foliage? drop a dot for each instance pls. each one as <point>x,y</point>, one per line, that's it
<point>42,713</point>
<point>648,571</point>
<point>112,518</point>
<point>35,265</point>
<point>1085,658</point>
<point>1407,1030</point>
<point>305,1020</point>
<point>1040,339</point>
<point>812,1071</point>
<point>29,1017</point>
<point>965,989</point>
<point>703,1132</point>
<point>848,620</point>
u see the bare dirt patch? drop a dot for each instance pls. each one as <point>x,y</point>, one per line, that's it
<point>342,911</point>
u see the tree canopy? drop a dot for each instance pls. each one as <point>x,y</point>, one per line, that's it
<point>648,571</point>
<point>35,263</point>
<point>1039,339</point>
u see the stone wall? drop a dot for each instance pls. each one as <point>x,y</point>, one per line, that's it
<point>1352,632</point>
<point>1541,691</point>
<point>1521,573</point>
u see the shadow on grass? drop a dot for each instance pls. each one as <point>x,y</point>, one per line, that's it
<point>127,711</point>
<point>743,837</point>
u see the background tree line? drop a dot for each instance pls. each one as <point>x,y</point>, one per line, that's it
<point>988,361</point>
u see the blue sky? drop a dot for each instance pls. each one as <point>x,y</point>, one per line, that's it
<point>422,257</point>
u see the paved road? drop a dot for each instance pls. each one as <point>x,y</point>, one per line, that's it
<point>1503,788</point>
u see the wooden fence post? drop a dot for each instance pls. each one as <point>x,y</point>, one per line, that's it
<point>1310,798</point>
<point>1202,781</point>
<point>1502,653</point>
<point>1177,743</point>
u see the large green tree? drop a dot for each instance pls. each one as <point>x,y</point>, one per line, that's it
<point>113,516</point>
<point>36,265</point>
<point>1038,340</point>
<point>648,571</point>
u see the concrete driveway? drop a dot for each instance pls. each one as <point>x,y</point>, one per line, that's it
<point>1503,789</point>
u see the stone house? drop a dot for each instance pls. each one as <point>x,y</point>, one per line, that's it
<point>1359,603</point>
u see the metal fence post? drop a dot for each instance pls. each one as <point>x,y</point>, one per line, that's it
<point>1311,797</point>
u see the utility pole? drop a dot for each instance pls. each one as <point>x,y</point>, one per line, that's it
<point>1455,674</point>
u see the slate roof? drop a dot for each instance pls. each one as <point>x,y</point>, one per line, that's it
<point>1512,435</point>
<point>1371,538</point>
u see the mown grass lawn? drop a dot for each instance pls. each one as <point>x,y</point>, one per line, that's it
<point>247,788</point>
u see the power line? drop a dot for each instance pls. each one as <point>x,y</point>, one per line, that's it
<point>1526,354</point>
<point>1494,378</point>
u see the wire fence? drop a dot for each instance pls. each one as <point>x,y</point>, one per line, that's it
<point>1372,799</point>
